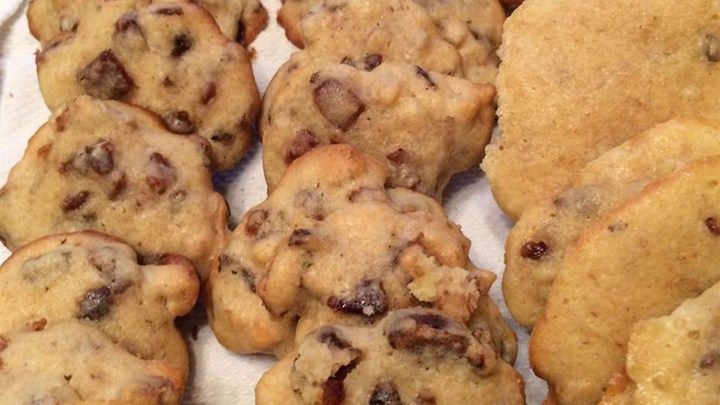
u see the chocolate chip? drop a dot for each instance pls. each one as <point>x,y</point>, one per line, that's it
<point>100,157</point>
<point>3,343</point>
<point>713,225</point>
<point>255,221</point>
<point>240,36</point>
<point>298,237</point>
<point>304,141</point>
<point>75,201</point>
<point>372,61</point>
<point>535,250</point>
<point>105,78</point>
<point>329,336</point>
<point>127,22</point>
<point>119,182</point>
<point>162,174</point>
<point>398,157</point>
<point>425,75</point>
<point>337,103</point>
<point>209,93</point>
<point>181,44</point>
<point>169,11</point>
<point>425,398</point>
<point>709,360</point>
<point>221,137</point>
<point>367,299</point>
<point>333,388</point>
<point>385,393</point>
<point>96,304</point>
<point>425,330</point>
<point>179,122</point>
<point>168,82</point>
<point>711,47</point>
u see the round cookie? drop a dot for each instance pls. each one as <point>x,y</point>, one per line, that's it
<point>111,167</point>
<point>640,261</point>
<point>241,20</point>
<point>424,127</point>
<point>410,356</point>
<point>168,58</point>
<point>96,279</point>
<point>578,78</point>
<point>332,245</point>
<point>539,239</point>
<point>674,358</point>
<point>72,362</point>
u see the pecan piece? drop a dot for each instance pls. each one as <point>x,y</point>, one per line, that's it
<point>338,103</point>
<point>105,78</point>
<point>368,299</point>
<point>426,329</point>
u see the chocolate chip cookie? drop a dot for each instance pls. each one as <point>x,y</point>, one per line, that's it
<point>72,362</point>
<point>168,58</point>
<point>241,20</point>
<point>640,261</point>
<point>674,358</point>
<point>540,238</point>
<point>423,126</point>
<point>578,78</point>
<point>111,167</point>
<point>96,280</point>
<point>410,356</point>
<point>331,244</point>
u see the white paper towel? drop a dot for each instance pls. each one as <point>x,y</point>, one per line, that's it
<point>219,376</point>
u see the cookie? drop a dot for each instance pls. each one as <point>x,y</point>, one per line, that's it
<point>72,362</point>
<point>168,58</point>
<point>539,239</point>
<point>423,126</point>
<point>458,38</point>
<point>578,78</point>
<point>331,244</point>
<point>640,261</point>
<point>241,20</point>
<point>111,167</point>
<point>411,356</point>
<point>674,358</point>
<point>96,279</point>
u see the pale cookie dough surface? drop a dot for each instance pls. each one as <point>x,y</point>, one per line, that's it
<point>539,239</point>
<point>673,359</point>
<point>111,167</point>
<point>641,261</point>
<point>72,362</point>
<point>423,126</point>
<point>332,244</point>
<point>97,280</point>
<point>240,20</point>
<point>411,356</point>
<point>168,58</point>
<point>580,77</point>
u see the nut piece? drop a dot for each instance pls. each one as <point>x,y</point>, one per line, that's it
<point>337,103</point>
<point>105,78</point>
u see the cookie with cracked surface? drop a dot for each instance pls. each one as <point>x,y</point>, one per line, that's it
<point>425,127</point>
<point>673,358</point>
<point>72,362</point>
<point>168,58</point>
<point>539,239</point>
<point>96,279</point>
<point>241,20</point>
<point>578,78</point>
<point>111,167</point>
<point>613,276</point>
<point>411,356</point>
<point>331,244</point>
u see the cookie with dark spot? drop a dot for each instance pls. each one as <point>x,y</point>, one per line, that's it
<point>72,362</point>
<point>540,238</point>
<point>241,20</point>
<point>169,58</point>
<point>610,278</point>
<point>579,78</point>
<point>113,168</point>
<point>424,126</point>
<point>332,244</point>
<point>438,361</point>
<point>95,280</point>
<point>673,358</point>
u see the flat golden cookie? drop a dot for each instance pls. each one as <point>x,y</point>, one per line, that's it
<point>111,167</point>
<point>539,239</point>
<point>423,126</point>
<point>675,358</point>
<point>580,77</point>
<point>332,245</point>
<point>640,261</point>
<point>168,58</point>
<point>241,20</point>
<point>97,280</point>
<point>72,362</point>
<point>412,356</point>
